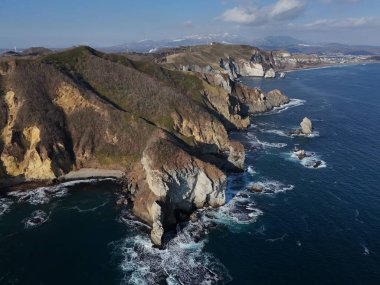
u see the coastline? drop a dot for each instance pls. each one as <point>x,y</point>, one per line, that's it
<point>328,66</point>
<point>84,173</point>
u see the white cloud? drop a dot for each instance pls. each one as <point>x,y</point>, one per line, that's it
<point>345,23</point>
<point>281,10</point>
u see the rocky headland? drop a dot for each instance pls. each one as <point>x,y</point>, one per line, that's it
<point>82,113</point>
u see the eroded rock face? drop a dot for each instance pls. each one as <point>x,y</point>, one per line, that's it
<point>23,154</point>
<point>217,92</point>
<point>174,186</point>
<point>210,135</point>
<point>257,101</point>
<point>251,69</point>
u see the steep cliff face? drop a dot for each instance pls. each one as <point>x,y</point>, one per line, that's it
<point>257,101</point>
<point>176,184</point>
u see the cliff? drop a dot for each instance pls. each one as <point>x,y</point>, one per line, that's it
<point>166,129</point>
<point>233,60</point>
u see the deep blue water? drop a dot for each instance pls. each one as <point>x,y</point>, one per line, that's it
<point>309,226</point>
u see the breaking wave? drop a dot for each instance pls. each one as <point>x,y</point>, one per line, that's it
<point>292,103</point>
<point>183,260</point>
<point>276,132</point>
<point>251,170</point>
<point>5,205</point>
<point>256,143</point>
<point>271,187</point>
<point>44,195</point>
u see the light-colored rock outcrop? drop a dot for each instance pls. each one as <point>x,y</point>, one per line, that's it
<point>210,135</point>
<point>69,99</point>
<point>307,126</point>
<point>33,161</point>
<point>257,101</point>
<point>173,185</point>
<point>270,73</point>
<point>252,69</point>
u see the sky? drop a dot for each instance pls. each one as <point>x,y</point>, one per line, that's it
<point>62,23</point>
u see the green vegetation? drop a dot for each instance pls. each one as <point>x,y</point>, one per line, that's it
<point>126,101</point>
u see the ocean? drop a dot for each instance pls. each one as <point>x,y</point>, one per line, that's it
<point>308,225</point>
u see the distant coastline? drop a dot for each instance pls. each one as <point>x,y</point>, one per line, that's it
<point>323,66</point>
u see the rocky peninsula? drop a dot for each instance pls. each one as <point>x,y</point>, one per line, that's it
<point>163,127</point>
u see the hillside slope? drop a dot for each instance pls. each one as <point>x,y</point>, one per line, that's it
<point>165,129</point>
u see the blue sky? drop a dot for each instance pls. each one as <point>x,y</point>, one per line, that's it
<point>58,23</point>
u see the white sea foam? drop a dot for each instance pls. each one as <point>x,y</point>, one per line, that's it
<point>44,195</point>
<point>37,218</point>
<point>240,210</point>
<point>251,170</point>
<point>5,205</point>
<point>277,132</point>
<point>184,261</point>
<point>270,187</point>
<point>292,103</point>
<point>309,161</point>
<point>41,195</point>
<point>255,142</point>
<point>314,134</point>
<point>366,250</point>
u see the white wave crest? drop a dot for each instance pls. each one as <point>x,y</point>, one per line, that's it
<point>314,134</point>
<point>292,103</point>
<point>255,142</point>
<point>251,170</point>
<point>276,132</point>
<point>41,195</point>
<point>5,205</point>
<point>366,250</point>
<point>271,187</point>
<point>240,210</point>
<point>44,195</point>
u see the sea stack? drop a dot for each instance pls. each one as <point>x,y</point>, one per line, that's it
<point>307,126</point>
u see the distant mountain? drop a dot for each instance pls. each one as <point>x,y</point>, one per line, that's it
<point>36,51</point>
<point>277,42</point>
<point>151,46</point>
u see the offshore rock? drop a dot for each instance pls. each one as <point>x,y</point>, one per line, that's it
<point>307,126</point>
